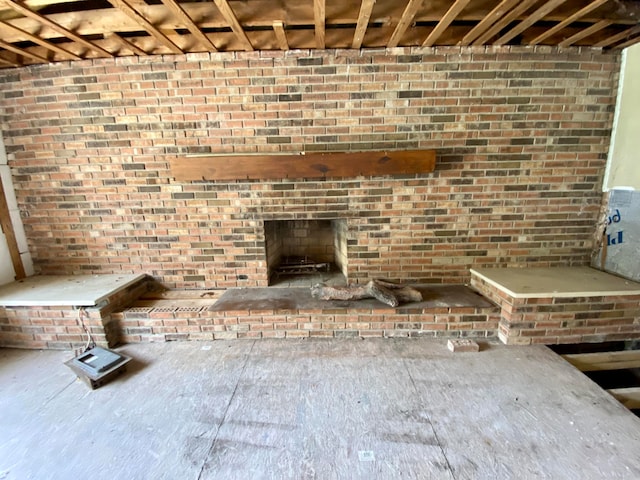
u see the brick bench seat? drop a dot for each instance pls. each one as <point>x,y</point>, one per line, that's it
<point>43,311</point>
<point>447,310</point>
<point>561,305</point>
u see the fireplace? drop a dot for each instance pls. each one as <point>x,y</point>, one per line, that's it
<point>306,249</point>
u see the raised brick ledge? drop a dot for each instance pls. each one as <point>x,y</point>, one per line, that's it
<point>281,319</point>
<point>561,305</point>
<point>49,318</point>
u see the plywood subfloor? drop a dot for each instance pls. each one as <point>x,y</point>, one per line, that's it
<point>63,290</point>
<point>314,409</point>
<point>556,282</point>
<point>300,299</point>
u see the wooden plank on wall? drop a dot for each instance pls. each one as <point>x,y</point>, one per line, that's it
<point>315,165</point>
<point>591,362</point>
<point>7,228</point>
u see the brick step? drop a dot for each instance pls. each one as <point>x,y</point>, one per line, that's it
<point>561,305</point>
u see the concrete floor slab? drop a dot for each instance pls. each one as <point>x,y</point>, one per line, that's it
<point>325,409</point>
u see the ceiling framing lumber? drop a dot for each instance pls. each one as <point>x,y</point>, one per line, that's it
<point>23,52</point>
<point>188,22</point>
<point>451,14</point>
<point>567,21</point>
<point>504,21</point>
<point>4,61</point>
<point>54,26</point>
<point>233,22</point>
<point>132,13</point>
<point>319,17</point>
<point>628,396</point>
<point>628,43</point>
<point>492,17</point>
<point>366,8</point>
<point>407,17</point>
<point>539,14</point>
<point>281,35</point>
<point>596,27</point>
<point>613,39</point>
<point>591,362</point>
<point>126,44</point>
<point>41,42</point>
<point>60,30</point>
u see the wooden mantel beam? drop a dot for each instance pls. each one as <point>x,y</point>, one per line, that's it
<point>314,165</point>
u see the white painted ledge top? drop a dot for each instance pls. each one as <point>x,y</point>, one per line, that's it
<point>64,290</point>
<point>561,282</point>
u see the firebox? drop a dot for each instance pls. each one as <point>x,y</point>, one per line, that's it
<point>305,248</point>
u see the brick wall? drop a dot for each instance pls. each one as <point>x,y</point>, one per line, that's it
<point>521,136</point>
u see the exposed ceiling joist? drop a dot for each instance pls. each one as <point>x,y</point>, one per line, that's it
<point>319,16</point>
<point>281,35</point>
<point>407,17</point>
<point>54,26</point>
<point>496,14</point>
<point>185,19</point>
<point>568,21</point>
<point>127,44</point>
<point>4,61</point>
<point>366,8</point>
<point>628,43</point>
<point>533,18</point>
<point>40,41</point>
<point>132,13</point>
<point>56,30</point>
<point>613,39</point>
<point>451,14</point>
<point>233,22</point>
<point>504,21</point>
<point>21,51</point>
<point>585,33</point>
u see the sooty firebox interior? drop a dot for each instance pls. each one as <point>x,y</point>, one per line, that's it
<point>298,250</point>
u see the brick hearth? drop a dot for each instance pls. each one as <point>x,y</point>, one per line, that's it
<point>448,311</point>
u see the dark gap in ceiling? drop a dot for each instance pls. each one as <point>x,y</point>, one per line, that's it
<point>140,33</point>
<point>25,44</point>
<point>77,7</point>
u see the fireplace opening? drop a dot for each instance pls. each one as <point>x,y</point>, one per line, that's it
<point>305,252</point>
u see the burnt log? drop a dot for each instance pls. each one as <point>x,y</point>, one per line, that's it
<point>387,292</point>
